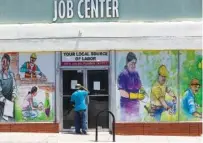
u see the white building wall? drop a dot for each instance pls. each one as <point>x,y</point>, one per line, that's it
<point>101,36</point>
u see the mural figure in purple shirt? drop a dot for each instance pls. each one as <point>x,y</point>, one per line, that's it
<point>130,88</point>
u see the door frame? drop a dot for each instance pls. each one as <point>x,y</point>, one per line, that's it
<point>104,95</point>
<point>61,91</point>
<point>84,69</point>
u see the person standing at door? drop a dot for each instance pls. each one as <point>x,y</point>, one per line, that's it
<point>78,98</point>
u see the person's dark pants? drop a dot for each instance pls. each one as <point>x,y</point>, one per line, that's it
<point>80,121</point>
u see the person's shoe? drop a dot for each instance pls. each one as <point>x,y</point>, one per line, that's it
<point>78,132</point>
<point>84,132</point>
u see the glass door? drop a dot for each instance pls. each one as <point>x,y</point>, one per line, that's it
<point>96,81</point>
<point>69,79</point>
<point>98,85</point>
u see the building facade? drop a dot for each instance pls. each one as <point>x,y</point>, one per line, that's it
<point>137,59</point>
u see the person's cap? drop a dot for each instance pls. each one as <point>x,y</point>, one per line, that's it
<point>194,82</point>
<point>33,55</point>
<point>78,86</point>
<point>163,71</point>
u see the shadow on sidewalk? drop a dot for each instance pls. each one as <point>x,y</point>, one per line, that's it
<point>72,133</point>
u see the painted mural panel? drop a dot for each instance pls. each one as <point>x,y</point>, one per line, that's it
<point>190,85</point>
<point>147,86</point>
<point>27,87</point>
<point>35,103</point>
<point>37,68</point>
<point>36,81</point>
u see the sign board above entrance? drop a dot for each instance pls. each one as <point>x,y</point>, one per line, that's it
<point>67,11</point>
<point>84,58</point>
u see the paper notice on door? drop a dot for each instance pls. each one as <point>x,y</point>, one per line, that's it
<point>73,83</point>
<point>8,108</point>
<point>96,85</point>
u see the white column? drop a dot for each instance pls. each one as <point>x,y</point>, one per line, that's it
<point>58,102</point>
<point>112,87</point>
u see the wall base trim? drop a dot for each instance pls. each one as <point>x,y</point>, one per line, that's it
<point>159,129</point>
<point>30,127</point>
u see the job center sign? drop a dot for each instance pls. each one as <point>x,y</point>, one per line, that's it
<point>67,11</point>
<point>85,9</point>
<point>84,58</point>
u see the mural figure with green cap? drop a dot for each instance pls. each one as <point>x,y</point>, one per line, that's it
<point>30,69</point>
<point>158,103</point>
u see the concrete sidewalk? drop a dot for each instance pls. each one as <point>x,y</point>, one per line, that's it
<point>103,137</point>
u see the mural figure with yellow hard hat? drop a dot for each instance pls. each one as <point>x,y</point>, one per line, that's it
<point>131,90</point>
<point>188,102</point>
<point>158,103</point>
<point>30,69</point>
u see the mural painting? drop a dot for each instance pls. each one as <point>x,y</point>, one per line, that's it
<point>35,103</point>
<point>27,93</point>
<point>190,85</point>
<point>147,86</point>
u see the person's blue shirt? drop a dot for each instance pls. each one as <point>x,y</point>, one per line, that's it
<point>78,97</point>
<point>188,102</point>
